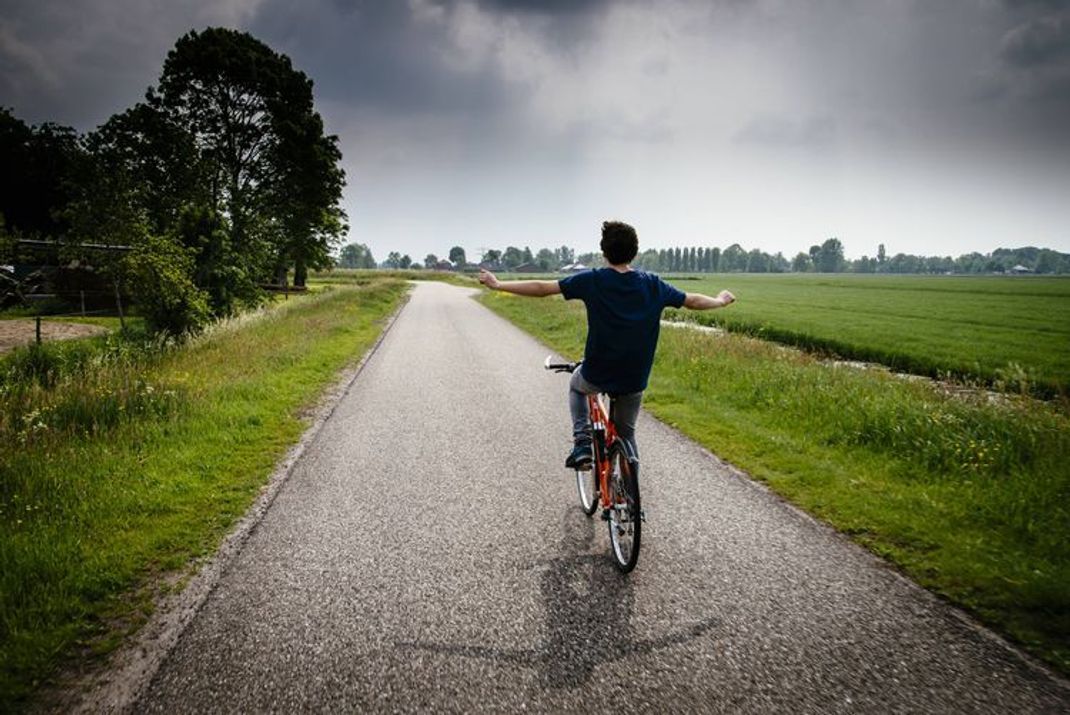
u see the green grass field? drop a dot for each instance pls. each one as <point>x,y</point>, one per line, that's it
<point>126,464</point>
<point>1012,332</point>
<point>969,495</point>
<point>359,276</point>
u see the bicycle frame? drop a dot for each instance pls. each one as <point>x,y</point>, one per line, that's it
<point>603,436</point>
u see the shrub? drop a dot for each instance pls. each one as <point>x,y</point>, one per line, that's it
<point>159,271</point>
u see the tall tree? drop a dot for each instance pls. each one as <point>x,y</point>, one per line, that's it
<point>142,179</point>
<point>356,255</point>
<point>757,261</point>
<point>733,259</point>
<point>271,171</point>
<point>546,259</point>
<point>158,157</point>
<point>512,257</point>
<point>41,167</point>
<point>457,256</point>
<point>307,191</point>
<point>830,256</point>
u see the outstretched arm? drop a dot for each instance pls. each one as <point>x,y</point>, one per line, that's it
<point>537,289</point>
<point>698,301</point>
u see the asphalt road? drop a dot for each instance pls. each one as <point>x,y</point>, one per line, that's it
<point>427,553</point>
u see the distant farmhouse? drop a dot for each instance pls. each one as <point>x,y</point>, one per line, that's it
<point>572,268</point>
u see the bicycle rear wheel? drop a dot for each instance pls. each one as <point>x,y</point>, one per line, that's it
<point>625,514</point>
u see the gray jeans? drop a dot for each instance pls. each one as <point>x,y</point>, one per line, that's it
<point>623,411</point>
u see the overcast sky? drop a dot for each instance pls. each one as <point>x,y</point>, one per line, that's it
<point>932,126</point>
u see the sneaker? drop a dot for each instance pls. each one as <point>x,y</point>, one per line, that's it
<point>579,458</point>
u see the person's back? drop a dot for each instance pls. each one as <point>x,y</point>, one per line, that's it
<point>623,319</point>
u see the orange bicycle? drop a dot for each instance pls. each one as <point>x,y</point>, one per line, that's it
<point>613,475</point>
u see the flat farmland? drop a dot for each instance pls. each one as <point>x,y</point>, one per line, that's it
<point>1009,330</point>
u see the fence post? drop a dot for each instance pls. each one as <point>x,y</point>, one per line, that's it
<point>81,294</point>
<point>119,306</point>
<point>37,328</point>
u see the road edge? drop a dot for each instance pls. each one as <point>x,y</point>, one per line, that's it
<point>118,685</point>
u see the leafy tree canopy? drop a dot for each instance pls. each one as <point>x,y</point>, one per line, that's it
<point>40,167</point>
<point>356,255</point>
<point>272,171</point>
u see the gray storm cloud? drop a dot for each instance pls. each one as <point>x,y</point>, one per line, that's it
<point>1041,42</point>
<point>905,123</point>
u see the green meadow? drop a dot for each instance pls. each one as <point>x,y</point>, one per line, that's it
<point>125,460</point>
<point>968,492</point>
<point>1012,332</point>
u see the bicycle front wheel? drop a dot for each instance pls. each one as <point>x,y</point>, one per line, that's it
<point>625,514</point>
<point>587,486</point>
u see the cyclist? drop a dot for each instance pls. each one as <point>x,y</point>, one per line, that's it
<point>623,319</point>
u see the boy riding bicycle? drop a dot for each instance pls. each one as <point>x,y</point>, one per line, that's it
<point>623,320</point>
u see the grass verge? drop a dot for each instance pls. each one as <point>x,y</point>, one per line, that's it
<point>968,494</point>
<point>359,276</point>
<point>130,466</point>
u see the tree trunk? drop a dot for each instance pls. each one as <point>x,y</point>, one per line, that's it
<point>300,272</point>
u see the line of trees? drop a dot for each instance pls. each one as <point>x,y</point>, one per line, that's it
<point>829,258</point>
<point>358,255</point>
<point>825,258</point>
<point>220,181</point>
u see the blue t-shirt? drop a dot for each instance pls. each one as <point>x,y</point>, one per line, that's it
<point>623,321</point>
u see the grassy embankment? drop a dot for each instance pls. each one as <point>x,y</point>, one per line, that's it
<point>358,276</point>
<point>969,496</point>
<point>1013,332</point>
<point>127,463</point>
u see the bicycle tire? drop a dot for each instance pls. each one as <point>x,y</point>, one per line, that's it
<point>587,481</point>
<point>625,513</point>
<point>587,486</point>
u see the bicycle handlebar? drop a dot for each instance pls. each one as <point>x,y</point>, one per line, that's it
<point>560,367</point>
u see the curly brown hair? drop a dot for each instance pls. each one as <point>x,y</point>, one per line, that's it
<point>620,243</point>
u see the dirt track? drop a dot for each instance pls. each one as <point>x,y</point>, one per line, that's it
<point>21,332</point>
